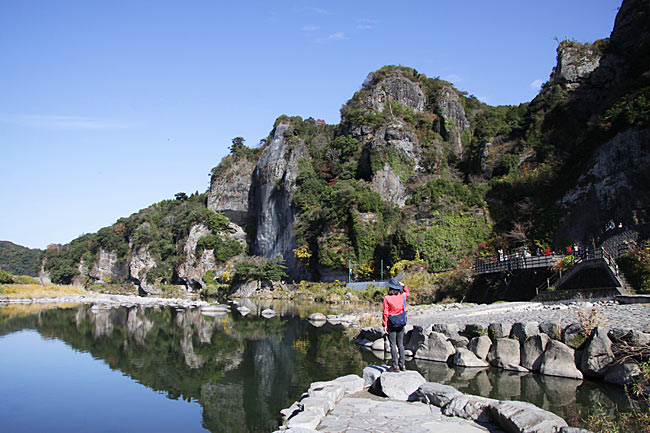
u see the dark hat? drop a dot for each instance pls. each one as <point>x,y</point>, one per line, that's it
<point>394,283</point>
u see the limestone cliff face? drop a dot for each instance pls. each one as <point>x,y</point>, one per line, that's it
<point>575,65</point>
<point>615,186</point>
<point>229,192</point>
<point>108,268</point>
<point>452,111</point>
<point>44,274</point>
<point>140,263</point>
<point>193,268</point>
<point>398,139</point>
<point>613,183</point>
<point>397,88</point>
<point>274,184</point>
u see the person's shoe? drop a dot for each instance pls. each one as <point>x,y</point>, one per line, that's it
<point>393,369</point>
<point>402,368</point>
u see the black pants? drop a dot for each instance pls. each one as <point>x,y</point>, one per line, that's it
<point>396,338</point>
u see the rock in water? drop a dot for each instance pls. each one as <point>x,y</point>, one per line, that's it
<point>532,350</point>
<point>467,358</point>
<point>597,355</point>
<point>436,347</point>
<point>504,351</point>
<point>558,360</point>
<point>480,346</point>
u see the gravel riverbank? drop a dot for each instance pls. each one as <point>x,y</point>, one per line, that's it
<point>612,314</point>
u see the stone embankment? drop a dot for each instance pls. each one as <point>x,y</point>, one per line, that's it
<point>574,340</point>
<point>403,401</point>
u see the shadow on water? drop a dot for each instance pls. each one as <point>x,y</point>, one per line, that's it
<point>243,370</point>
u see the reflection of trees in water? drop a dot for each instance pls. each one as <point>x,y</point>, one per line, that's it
<point>242,370</point>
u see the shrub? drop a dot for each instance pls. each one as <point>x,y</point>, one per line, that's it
<point>6,277</point>
<point>223,247</point>
<point>25,279</point>
<point>635,264</point>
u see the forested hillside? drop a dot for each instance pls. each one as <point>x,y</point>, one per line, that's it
<point>19,260</point>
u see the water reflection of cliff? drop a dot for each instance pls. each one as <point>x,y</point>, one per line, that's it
<point>242,371</point>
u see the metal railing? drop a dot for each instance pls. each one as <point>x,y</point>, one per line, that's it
<point>487,266</point>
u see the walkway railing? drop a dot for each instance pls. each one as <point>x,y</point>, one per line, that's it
<point>487,266</point>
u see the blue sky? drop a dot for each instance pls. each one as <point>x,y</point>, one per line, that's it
<point>109,106</point>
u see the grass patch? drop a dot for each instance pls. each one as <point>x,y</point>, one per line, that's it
<point>23,291</point>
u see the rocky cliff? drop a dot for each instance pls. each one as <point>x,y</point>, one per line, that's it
<point>415,169</point>
<point>272,191</point>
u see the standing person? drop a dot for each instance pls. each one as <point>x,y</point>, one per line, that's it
<point>394,319</point>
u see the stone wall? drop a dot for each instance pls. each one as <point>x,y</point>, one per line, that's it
<point>546,348</point>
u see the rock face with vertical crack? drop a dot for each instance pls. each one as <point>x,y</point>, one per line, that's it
<point>273,187</point>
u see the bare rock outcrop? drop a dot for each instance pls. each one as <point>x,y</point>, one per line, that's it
<point>140,263</point>
<point>398,88</point>
<point>274,184</point>
<point>193,268</point>
<point>108,268</point>
<point>229,192</point>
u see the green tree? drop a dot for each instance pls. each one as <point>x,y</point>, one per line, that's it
<point>237,145</point>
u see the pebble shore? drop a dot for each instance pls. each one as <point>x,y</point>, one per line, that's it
<point>612,314</point>
<point>104,300</point>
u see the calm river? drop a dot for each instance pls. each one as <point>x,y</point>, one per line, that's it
<point>166,370</point>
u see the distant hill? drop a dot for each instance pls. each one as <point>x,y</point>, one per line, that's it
<point>19,260</point>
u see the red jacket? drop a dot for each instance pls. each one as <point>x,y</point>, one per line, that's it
<point>394,304</point>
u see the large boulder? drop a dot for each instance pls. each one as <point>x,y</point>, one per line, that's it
<point>629,336</point>
<point>417,338</point>
<point>459,341</point>
<point>499,330</point>
<point>559,360</point>
<point>466,358</point>
<point>380,345</point>
<point>574,336</point>
<point>552,329</point>
<point>517,416</point>
<point>475,330</point>
<point>372,373</point>
<point>436,394</point>
<point>597,355</point>
<point>532,351</point>
<point>521,331</point>
<point>436,347</point>
<point>449,329</point>
<point>480,346</point>
<point>622,374</point>
<point>470,407</point>
<point>504,352</point>
<point>402,385</point>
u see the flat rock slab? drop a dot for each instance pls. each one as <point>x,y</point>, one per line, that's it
<point>358,415</point>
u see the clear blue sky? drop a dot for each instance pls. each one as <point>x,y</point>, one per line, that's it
<point>109,106</point>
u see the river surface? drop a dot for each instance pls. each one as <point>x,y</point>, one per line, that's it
<point>77,368</point>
